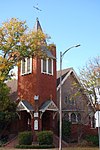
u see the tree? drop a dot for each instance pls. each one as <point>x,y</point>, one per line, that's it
<point>16,43</point>
<point>86,88</point>
<point>88,78</point>
<point>7,108</point>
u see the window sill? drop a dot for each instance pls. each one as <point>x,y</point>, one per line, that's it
<point>26,73</point>
<point>47,73</point>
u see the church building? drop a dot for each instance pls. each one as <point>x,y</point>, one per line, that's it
<point>37,106</point>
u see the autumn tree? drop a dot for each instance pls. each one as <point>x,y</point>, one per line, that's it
<point>17,42</point>
<point>88,78</point>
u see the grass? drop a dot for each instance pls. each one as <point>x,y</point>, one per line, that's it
<point>67,148</point>
<point>81,148</point>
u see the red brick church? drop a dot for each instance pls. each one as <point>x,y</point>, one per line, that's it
<point>37,94</point>
<point>37,91</point>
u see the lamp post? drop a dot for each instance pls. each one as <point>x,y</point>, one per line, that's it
<point>60,100</point>
<point>98,88</point>
<point>99,127</point>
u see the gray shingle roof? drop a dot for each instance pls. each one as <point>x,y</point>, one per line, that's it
<point>46,104</point>
<point>64,73</point>
<point>28,105</point>
<point>47,52</point>
<point>24,105</point>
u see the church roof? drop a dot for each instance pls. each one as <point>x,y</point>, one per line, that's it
<point>64,73</point>
<point>48,105</point>
<point>37,26</point>
<point>24,105</point>
<point>47,52</point>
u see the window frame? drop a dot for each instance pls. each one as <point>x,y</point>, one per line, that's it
<point>73,118</point>
<point>28,69</point>
<point>44,67</point>
<point>70,101</point>
<point>47,66</point>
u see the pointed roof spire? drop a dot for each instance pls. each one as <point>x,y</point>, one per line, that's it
<point>37,25</point>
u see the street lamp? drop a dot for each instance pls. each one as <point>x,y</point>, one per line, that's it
<point>98,97</point>
<point>60,101</point>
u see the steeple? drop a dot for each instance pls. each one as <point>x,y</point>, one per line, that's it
<point>37,25</point>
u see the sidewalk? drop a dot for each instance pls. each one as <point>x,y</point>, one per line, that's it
<point>11,144</point>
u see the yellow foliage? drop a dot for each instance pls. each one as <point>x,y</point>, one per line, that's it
<point>16,43</point>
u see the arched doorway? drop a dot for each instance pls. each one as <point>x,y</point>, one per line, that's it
<point>47,120</point>
<point>24,123</point>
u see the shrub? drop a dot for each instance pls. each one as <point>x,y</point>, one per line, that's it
<point>66,128</point>
<point>45,137</point>
<point>34,146</point>
<point>92,139</point>
<point>25,138</point>
<point>83,143</point>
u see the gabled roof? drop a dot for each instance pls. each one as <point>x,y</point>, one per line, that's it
<point>65,74</point>
<point>48,105</point>
<point>24,105</point>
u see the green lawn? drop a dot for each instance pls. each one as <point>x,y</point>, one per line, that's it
<point>80,148</point>
<point>68,148</point>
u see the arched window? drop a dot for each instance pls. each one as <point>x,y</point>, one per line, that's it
<point>73,117</point>
<point>66,116</point>
<point>78,117</point>
<point>69,100</point>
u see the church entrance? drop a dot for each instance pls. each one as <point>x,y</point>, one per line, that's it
<point>47,121</point>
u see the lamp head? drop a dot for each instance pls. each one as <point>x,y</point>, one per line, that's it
<point>77,45</point>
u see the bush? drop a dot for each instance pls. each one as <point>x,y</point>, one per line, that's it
<point>83,143</point>
<point>45,137</point>
<point>92,139</point>
<point>66,128</point>
<point>25,138</point>
<point>35,146</point>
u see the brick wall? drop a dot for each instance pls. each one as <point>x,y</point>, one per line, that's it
<point>83,130</point>
<point>38,83</point>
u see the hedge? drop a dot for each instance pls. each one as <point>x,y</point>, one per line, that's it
<point>34,146</point>
<point>45,137</point>
<point>25,138</point>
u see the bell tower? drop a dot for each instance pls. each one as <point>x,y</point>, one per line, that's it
<point>37,86</point>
